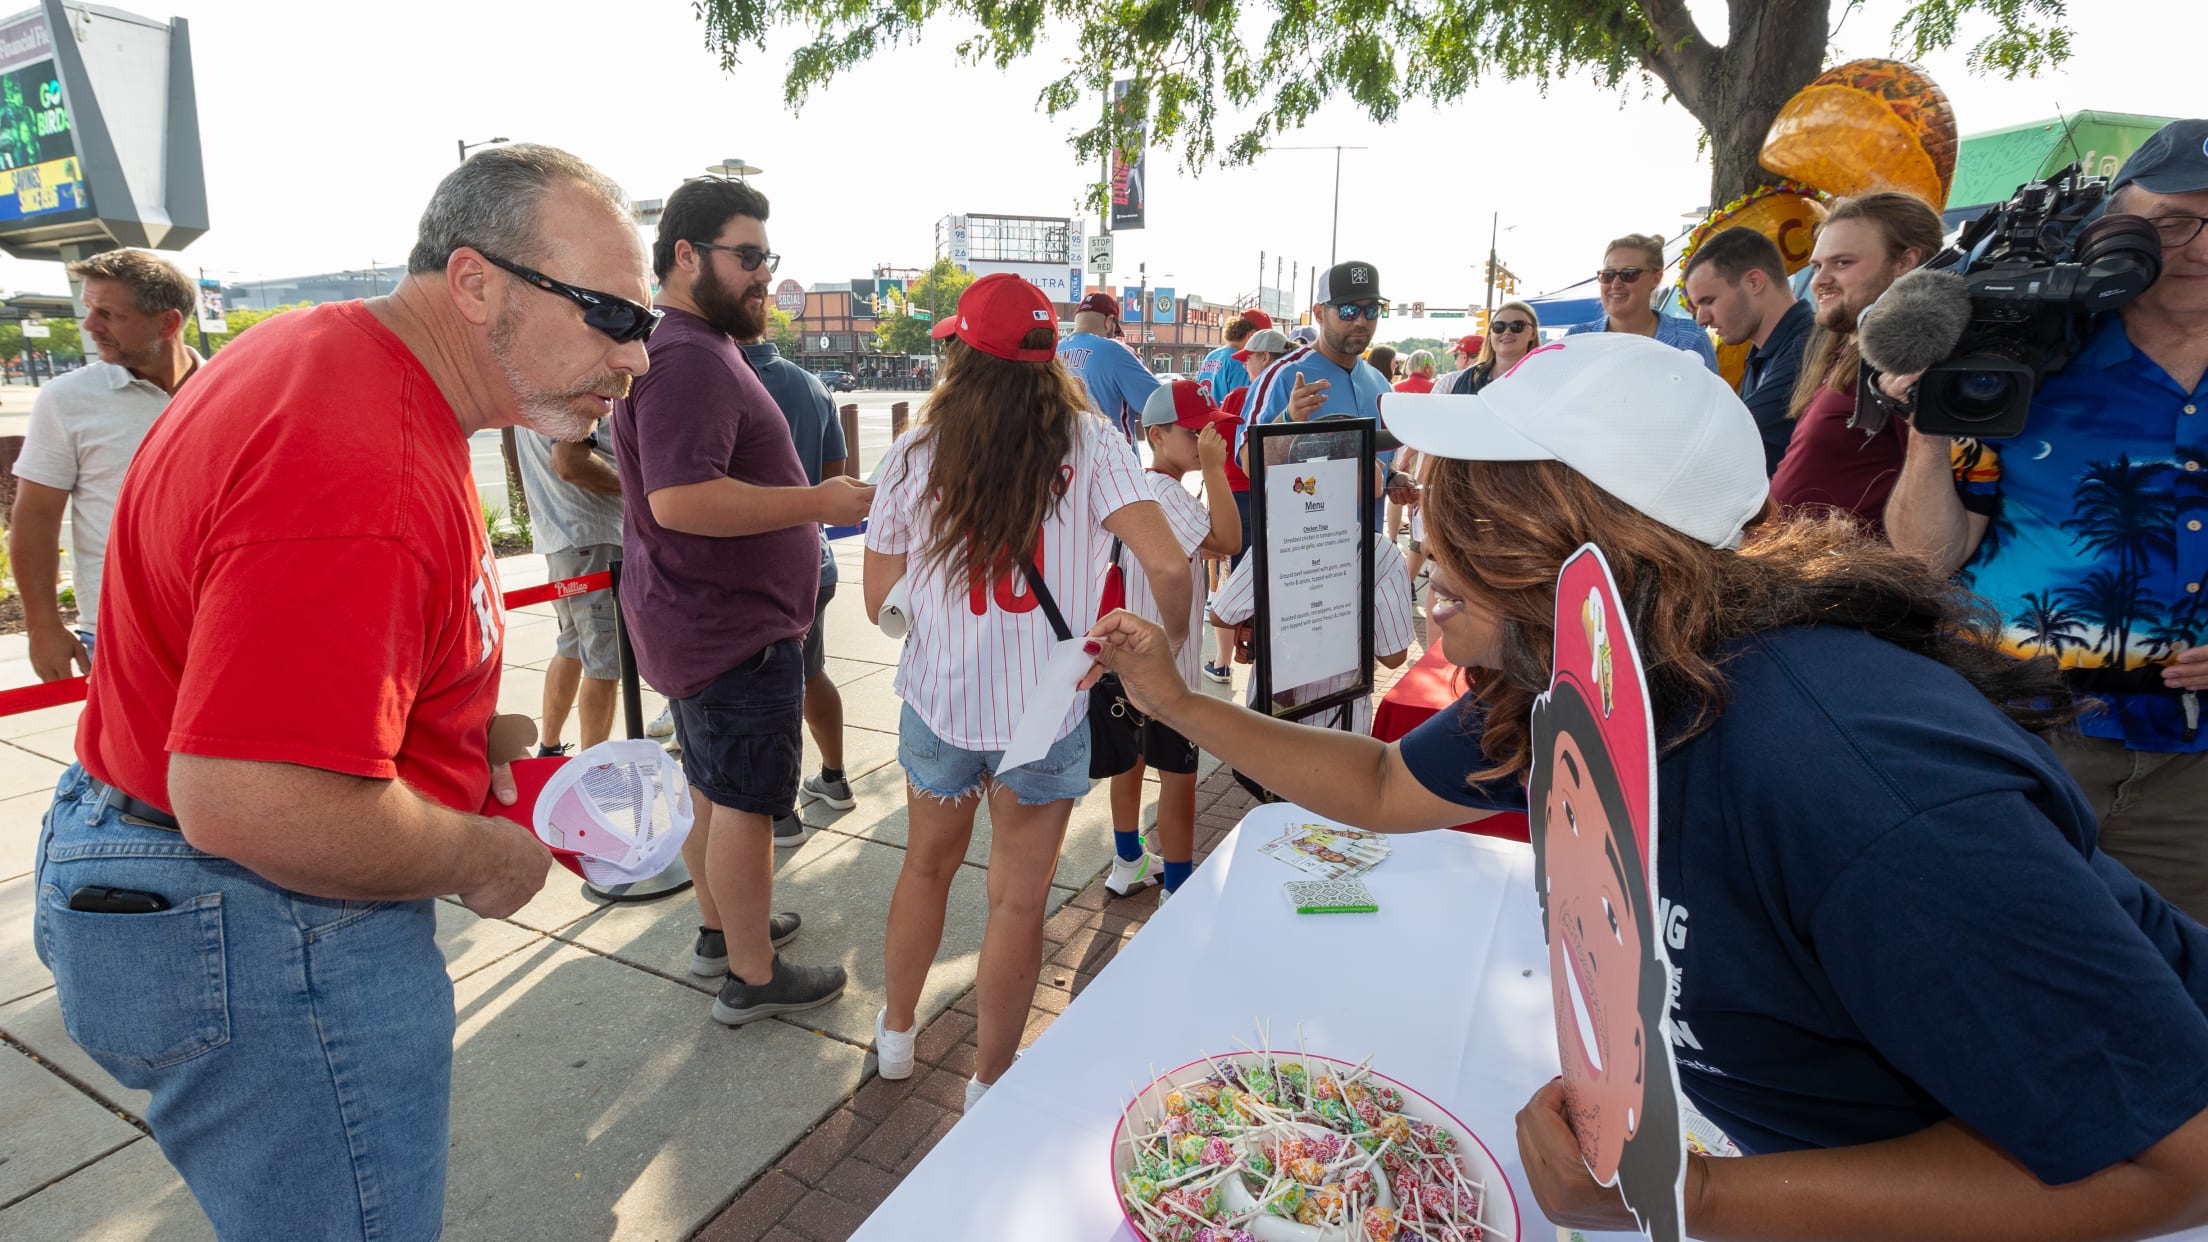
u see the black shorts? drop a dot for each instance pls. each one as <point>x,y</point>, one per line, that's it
<point>743,739</point>
<point>1166,750</point>
<point>1242,507</point>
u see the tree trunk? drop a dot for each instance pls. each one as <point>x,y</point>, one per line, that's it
<point>1773,49</point>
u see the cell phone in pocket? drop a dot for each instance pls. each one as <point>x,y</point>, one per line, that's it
<point>100,899</point>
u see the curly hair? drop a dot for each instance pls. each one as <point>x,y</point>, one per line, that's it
<point>1000,431</point>
<point>1505,529</point>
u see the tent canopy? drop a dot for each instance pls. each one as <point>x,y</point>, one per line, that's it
<point>1990,166</point>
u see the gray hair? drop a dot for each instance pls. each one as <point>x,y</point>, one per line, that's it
<point>491,202</point>
<point>1422,361</point>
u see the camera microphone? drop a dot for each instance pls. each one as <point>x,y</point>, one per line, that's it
<point>1916,323</point>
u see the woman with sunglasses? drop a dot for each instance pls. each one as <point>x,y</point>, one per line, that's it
<point>999,510</point>
<point>1632,269</point>
<point>1512,332</point>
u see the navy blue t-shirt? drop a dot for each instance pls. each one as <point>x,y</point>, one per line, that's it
<point>1886,907</point>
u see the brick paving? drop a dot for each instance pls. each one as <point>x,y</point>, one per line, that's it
<point>823,1188</point>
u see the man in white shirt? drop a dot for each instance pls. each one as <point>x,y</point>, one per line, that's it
<point>85,428</point>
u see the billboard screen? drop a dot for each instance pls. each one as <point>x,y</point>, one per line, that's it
<point>40,177</point>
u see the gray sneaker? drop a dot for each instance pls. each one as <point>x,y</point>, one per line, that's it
<point>790,832</point>
<point>792,988</point>
<point>663,725</point>
<point>709,953</point>
<point>836,793</point>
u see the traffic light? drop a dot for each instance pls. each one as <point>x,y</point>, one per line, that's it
<point>1491,271</point>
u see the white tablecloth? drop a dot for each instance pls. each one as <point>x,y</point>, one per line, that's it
<point>1455,953</point>
<point>1446,988</point>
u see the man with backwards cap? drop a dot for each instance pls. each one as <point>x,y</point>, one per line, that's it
<point>1909,985</point>
<point>1116,380</point>
<point>2118,439</point>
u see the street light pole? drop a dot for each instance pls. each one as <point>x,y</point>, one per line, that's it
<point>1333,254</point>
<point>1492,234</point>
<point>466,146</point>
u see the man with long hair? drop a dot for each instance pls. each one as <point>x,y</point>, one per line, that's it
<point>1862,247</point>
<point>998,513</point>
<point>721,536</point>
<point>238,886</point>
<point>1909,984</point>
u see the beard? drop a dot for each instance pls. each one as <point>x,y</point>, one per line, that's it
<point>729,311</point>
<point>564,413</point>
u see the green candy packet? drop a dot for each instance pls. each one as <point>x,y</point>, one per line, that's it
<point>1347,896</point>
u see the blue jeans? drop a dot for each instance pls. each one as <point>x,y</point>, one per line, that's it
<point>299,1049</point>
<point>940,770</point>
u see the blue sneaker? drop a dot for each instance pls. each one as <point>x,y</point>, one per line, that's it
<point>1218,672</point>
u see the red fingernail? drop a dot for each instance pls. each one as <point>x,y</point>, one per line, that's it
<point>1093,648</point>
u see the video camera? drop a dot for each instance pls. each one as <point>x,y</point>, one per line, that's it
<point>2009,303</point>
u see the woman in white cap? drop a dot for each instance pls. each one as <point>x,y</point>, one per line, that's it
<point>1908,984</point>
<point>1001,509</point>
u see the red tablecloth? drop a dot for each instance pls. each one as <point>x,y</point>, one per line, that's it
<point>1426,688</point>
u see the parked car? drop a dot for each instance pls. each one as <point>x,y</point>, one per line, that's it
<point>838,381</point>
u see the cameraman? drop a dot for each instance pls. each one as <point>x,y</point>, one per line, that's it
<point>2099,557</point>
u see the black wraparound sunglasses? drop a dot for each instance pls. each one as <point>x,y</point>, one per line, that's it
<point>617,317</point>
<point>1509,325</point>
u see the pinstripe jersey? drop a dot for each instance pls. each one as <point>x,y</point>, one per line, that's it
<point>1391,619</point>
<point>977,649</point>
<point>1191,523</point>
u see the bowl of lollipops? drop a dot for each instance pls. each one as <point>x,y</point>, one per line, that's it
<point>1290,1147</point>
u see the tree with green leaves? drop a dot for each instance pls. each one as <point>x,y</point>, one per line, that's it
<point>1278,63</point>
<point>237,321</point>
<point>782,330</point>
<point>935,294</point>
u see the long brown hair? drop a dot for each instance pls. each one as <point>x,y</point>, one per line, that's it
<point>1687,601</point>
<point>999,431</point>
<point>1831,359</point>
<point>1485,360</point>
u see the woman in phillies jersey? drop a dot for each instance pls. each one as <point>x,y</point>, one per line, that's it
<point>1007,478</point>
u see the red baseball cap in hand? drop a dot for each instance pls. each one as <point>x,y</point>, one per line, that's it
<point>995,312</point>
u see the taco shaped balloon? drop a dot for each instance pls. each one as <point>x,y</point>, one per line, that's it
<point>1591,797</point>
<point>1867,125</point>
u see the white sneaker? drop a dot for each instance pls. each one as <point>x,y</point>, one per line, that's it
<point>1129,877</point>
<point>1163,893</point>
<point>663,725</point>
<point>975,1089</point>
<point>893,1049</point>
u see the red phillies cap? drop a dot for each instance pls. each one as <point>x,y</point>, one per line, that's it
<point>1181,403</point>
<point>1257,318</point>
<point>1101,303</point>
<point>1471,344</point>
<point>995,312</point>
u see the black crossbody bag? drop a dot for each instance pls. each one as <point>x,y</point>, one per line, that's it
<point>1115,726</point>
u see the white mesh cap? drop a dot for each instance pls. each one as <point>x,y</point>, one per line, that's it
<point>623,805</point>
<point>1644,421</point>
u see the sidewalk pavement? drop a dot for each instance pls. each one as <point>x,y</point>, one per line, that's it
<point>593,1096</point>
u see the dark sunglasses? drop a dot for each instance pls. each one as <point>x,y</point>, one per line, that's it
<point>1348,312</point>
<point>1626,274</point>
<point>747,254</point>
<point>1509,325</point>
<point>618,318</point>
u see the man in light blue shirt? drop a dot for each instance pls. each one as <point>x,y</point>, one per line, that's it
<point>1632,267</point>
<point>1328,376</point>
<point>1222,371</point>
<point>1115,378</point>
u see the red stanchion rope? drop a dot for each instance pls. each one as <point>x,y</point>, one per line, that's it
<point>72,689</point>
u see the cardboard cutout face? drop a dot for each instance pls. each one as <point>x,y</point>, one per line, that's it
<point>1592,793</point>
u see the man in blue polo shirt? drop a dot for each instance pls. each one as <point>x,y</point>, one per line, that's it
<point>1115,378</point>
<point>1329,376</point>
<point>2086,533</point>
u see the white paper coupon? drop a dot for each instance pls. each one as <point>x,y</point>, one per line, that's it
<point>1047,704</point>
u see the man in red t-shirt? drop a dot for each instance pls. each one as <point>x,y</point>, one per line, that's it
<point>287,748</point>
<point>1862,247</point>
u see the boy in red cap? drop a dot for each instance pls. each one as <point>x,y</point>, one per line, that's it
<point>1185,433</point>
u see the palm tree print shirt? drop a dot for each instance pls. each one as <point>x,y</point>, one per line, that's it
<point>2097,551</point>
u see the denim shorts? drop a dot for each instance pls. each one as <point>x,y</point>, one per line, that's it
<point>298,1049</point>
<point>743,739</point>
<point>940,770</point>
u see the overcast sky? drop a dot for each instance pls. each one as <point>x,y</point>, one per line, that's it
<point>327,125</point>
